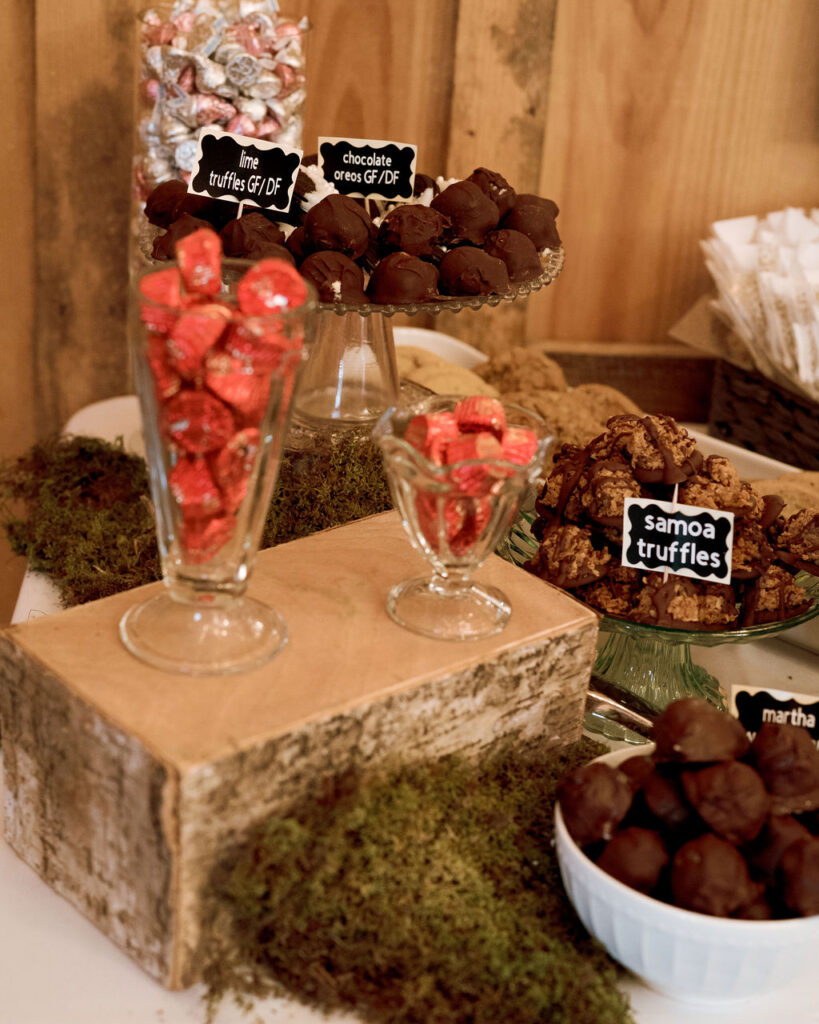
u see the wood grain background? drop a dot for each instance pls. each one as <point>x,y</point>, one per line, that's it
<point>645,120</point>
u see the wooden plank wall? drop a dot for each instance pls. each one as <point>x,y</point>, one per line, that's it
<point>645,119</point>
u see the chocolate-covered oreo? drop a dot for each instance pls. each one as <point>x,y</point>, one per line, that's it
<point>335,276</point>
<point>400,278</point>
<point>470,211</point>
<point>338,223</point>
<point>414,229</point>
<point>517,252</point>
<point>535,217</point>
<point>470,271</point>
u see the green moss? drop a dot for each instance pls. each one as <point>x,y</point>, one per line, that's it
<point>78,510</point>
<point>429,895</point>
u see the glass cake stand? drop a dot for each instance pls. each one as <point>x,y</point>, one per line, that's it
<point>650,666</point>
<point>351,376</point>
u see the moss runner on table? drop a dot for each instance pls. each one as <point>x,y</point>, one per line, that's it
<point>430,895</point>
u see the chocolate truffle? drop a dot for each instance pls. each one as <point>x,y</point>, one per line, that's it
<point>296,244</point>
<point>423,183</point>
<point>766,852</point>
<point>730,797</point>
<point>336,277</point>
<point>691,730</point>
<point>400,278</point>
<point>517,252</point>
<point>799,870</point>
<point>161,206</point>
<point>496,187</point>
<point>252,237</point>
<point>470,271</point>
<point>340,224</point>
<point>664,799</point>
<point>638,769</point>
<point>787,758</point>
<point>470,211</point>
<point>414,229</point>
<point>164,247</point>
<point>635,856</point>
<point>535,217</point>
<point>594,799</point>
<point>710,876</point>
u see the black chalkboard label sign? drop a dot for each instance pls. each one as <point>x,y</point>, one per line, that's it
<point>756,705</point>
<point>244,170</point>
<point>363,167</point>
<point>683,539</point>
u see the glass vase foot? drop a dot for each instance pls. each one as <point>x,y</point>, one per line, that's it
<point>201,636</point>
<point>430,607</point>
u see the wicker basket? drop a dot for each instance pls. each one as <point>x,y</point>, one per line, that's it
<point>749,410</point>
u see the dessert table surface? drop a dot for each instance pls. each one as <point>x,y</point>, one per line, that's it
<point>56,968</point>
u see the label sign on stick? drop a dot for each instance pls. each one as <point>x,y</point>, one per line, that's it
<point>362,167</point>
<point>244,170</point>
<point>683,539</point>
<point>756,705</point>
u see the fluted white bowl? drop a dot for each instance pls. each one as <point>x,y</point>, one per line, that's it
<point>681,954</point>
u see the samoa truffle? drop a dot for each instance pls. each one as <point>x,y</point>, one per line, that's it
<point>340,224</point>
<point>731,799</point>
<point>682,603</point>
<point>691,730</point>
<point>773,597</point>
<point>798,543</point>
<point>658,448</point>
<point>799,870</point>
<point>635,856</point>
<point>252,237</point>
<point>495,186</point>
<point>594,799</point>
<point>401,278</point>
<point>336,277</point>
<point>535,217</point>
<point>710,876</point>
<point>568,558</point>
<point>517,252</point>
<point>469,271</point>
<point>414,229</point>
<point>470,211</point>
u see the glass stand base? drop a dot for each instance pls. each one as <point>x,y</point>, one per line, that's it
<point>198,638</point>
<point>652,669</point>
<point>444,611</point>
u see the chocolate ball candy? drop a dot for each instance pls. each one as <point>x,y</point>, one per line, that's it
<point>787,759</point>
<point>417,230</point>
<point>470,211</point>
<point>799,871</point>
<point>424,183</point>
<point>336,277</point>
<point>766,851</point>
<point>517,252</point>
<point>594,799</point>
<point>340,224</point>
<point>635,856</point>
<point>400,278</point>
<point>161,206</point>
<point>535,217</point>
<point>296,244</point>
<point>637,769</point>
<point>470,271</point>
<point>664,799</point>
<point>252,237</point>
<point>730,797</point>
<point>496,187</point>
<point>692,730</point>
<point>710,876</point>
<point>164,247</point>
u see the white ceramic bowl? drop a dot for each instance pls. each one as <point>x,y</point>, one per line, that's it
<point>681,954</point>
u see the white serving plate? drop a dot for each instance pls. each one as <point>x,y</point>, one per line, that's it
<point>443,345</point>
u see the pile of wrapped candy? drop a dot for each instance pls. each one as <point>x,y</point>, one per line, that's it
<point>712,822</point>
<point>217,367</point>
<point>470,237</point>
<point>236,64</point>
<point>470,453</point>
<point>580,519</point>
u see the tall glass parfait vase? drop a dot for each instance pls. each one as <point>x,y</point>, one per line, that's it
<point>215,372</point>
